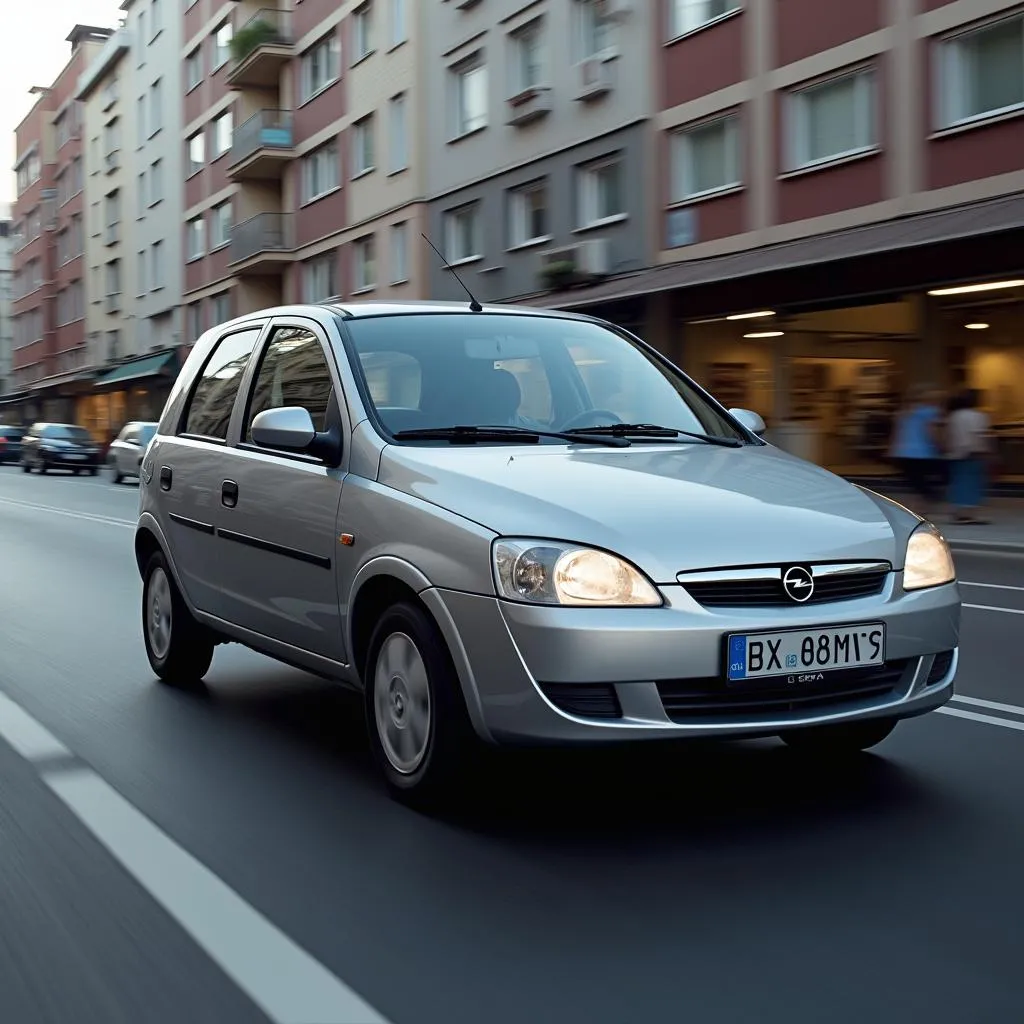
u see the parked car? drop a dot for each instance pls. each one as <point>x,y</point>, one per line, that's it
<point>517,526</point>
<point>10,443</point>
<point>59,446</point>
<point>124,456</point>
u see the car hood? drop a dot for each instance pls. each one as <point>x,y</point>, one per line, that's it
<point>668,509</point>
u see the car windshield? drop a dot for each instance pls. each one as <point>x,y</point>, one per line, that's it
<point>435,370</point>
<point>63,432</point>
<point>11,432</point>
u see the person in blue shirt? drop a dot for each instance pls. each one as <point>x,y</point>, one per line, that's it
<point>917,445</point>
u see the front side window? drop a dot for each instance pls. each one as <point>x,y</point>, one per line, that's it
<point>462,233</point>
<point>690,15</point>
<point>293,372</point>
<point>546,372</point>
<point>600,194</point>
<point>832,120</point>
<point>209,409</point>
<point>705,159</point>
<point>982,72</point>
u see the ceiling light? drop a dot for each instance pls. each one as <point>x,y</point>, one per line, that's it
<point>976,327</point>
<point>765,334</point>
<point>965,289</point>
<point>752,316</point>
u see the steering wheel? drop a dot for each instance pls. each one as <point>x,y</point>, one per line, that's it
<point>590,418</point>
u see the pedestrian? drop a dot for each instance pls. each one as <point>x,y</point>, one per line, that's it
<point>917,445</point>
<point>970,448</point>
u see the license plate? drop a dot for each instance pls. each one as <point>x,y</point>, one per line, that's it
<point>799,651</point>
<point>76,456</point>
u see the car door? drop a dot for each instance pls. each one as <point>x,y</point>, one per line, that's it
<point>123,447</point>
<point>190,466</point>
<point>277,525</point>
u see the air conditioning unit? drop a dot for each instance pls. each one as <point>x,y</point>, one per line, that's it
<point>595,78</point>
<point>589,259</point>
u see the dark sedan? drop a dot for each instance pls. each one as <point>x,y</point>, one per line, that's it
<point>10,444</point>
<point>60,446</point>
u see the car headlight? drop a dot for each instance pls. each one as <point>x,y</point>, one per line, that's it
<point>549,572</point>
<point>929,562</point>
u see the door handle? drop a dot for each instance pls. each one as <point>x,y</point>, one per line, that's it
<point>165,478</point>
<point>229,493</point>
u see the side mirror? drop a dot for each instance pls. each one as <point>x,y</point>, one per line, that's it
<point>750,420</point>
<point>289,428</point>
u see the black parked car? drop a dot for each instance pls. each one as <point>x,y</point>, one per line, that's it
<point>10,444</point>
<point>60,446</point>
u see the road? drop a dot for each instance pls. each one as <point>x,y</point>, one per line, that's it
<point>230,857</point>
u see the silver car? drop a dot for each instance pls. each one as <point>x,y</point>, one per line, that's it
<point>124,456</point>
<point>517,526</point>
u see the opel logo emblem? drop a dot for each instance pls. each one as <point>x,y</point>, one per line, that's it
<point>798,584</point>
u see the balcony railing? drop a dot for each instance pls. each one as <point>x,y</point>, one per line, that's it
<point>267,27</point>
<point>266,129</point>
<point>264,233</point>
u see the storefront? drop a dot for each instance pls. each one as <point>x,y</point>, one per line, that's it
<point>135,389</point>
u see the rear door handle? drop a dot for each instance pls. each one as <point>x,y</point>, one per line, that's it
<point>229,493</point>
<point>165,477</point>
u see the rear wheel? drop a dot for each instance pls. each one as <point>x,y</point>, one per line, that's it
<point>179,648</point>
<point>25,467</point>
<point>838,740</point>
<point>419,730</point>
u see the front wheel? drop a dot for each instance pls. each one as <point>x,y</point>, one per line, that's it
<point>179,648</point>
<point>418,725</point>
<point>838,740</point>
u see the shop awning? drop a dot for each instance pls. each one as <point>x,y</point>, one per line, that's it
<point>137,369</point>
<point>971,220</point>
<point>61,380</point>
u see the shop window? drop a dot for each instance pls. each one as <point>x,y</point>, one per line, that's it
<point>706,159</point>
<point>832,120</point>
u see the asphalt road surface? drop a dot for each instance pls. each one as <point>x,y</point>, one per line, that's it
<point>230,856</point>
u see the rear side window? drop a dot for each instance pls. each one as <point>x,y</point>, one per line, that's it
<point>209,409</point>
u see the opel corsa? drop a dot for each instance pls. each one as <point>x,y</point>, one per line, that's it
<point>517,526</point>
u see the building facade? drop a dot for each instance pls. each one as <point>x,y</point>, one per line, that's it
<point>839,213</point>
<point>6,295</point>
<point>538,157</point>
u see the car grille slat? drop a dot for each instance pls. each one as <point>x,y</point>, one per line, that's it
<point>584,700</point>
<point>771,594</point>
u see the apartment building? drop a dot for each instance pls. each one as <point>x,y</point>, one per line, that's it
<point>49,308</point>
<point>537,159</point>
<point>839,212</point>
<point>6,294</point>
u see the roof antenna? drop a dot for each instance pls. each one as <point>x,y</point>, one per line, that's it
<point>473,304</point>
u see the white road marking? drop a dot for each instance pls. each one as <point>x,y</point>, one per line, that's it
<point>991,586</point>
<point>1006,723</point>
<point>286,982</point>
<point>992,705</point>
<point>995,608</point>
<point>93,517</point>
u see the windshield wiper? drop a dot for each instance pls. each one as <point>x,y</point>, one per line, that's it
<point>515,435</point>
<point>653,430</point>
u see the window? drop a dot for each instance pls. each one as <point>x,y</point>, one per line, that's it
<point>112,136</point>
<point>318,278</point>
<point>195,239</point>
<point>142,38</point>
<point>398,13</point>
<point>113,345</point>
<point>142,265</point>
<point>113,275</point>
<point>594,29</point>
<point>113,208</point>
<point>599,192</point>
<point>321,65</point>
<point>209,410</point>
<point>222,44</point>
<point>362,147</point>
<point>77,240</point>
<point>399,148</point>
<point>28,172</point>
<point>461,233</point>
<point>140,196</point>
<point>140,119</point>
<point>156,276</point>
<point>77,176</point>
<point>470,97</point>
<point>527,58</point>
<point>156,182</point>
<point>982,72</point>
<point>194,68</point>
<point>362,31</point>
<point>220,225</point>
<point>365,271</point>
<point>196,152</point>
<point>399,253</point>
<point>195,320</point>
<point>156,108</point>
<point>689,15</point>
<point>156,23</point>
<point>221,307</point>
<point>320,171</point>
<point>293,372</point>
<point>705,159</point>
<point>528,214</point>
<point>222,129</point>
<point>832,120</point>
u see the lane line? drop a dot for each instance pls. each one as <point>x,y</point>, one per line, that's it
<point>992,705</point>
<point>986,719</point>
<point>93,517</point>
<point>288,984</point>
<point>995,608</point>
<point>991,586</point>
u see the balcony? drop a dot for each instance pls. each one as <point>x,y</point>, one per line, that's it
<point>528,105</point>
<point>262,244</point>
<point>259,49</point>
<point>261,146</point>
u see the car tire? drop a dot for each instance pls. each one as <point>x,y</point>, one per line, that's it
<point>409,679</point>
<point>42,468</point>
<point>93,470</point>
<point>179,649</point>
<point>842,739</point>
<point>25,467</point>
<point>115,473</point>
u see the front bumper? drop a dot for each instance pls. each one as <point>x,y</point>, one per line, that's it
<point>71,460</point>
<point>565,675</point>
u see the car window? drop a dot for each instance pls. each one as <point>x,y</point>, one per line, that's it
<point>146,434</point>
<point>66,432</point>
<point>10,432</point>
<point>130,434</point>
<point>293,371</point>
<point>548,372</point>
<point>209,410</point>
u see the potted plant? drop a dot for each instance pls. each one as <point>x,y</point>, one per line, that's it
<point>560,274</point>
<point>250,36</point>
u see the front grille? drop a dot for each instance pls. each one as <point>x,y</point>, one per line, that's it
<point>940,667</point>
<point>685,700</point>
<point>584,700</point>
<point>769,593</point>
